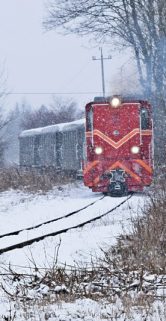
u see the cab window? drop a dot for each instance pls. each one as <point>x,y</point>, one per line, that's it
<point>144,118</point>
<point>90,120</point>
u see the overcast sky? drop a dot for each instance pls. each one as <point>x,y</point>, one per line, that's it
<point>40,63</point>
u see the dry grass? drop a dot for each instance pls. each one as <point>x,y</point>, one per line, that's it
<point>145,247</point>
<point>44,291</point>
<point>32,180</point>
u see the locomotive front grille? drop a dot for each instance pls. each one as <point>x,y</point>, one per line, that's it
<point>117,185</point>
<point>117,175</point>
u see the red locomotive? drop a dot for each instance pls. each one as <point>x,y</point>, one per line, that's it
<point>119,145</point>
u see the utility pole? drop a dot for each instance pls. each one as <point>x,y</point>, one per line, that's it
<point>102,68</point>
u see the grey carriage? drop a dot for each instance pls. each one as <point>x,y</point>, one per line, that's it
<point>59,146</point>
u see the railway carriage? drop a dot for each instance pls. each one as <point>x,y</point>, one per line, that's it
<point>58,146</point>
<point>119,145</point>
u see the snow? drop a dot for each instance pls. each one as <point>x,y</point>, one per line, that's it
<point>53,128</point>
<point>20,210</point>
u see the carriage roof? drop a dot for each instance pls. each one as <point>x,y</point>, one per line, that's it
<point>54,128</point>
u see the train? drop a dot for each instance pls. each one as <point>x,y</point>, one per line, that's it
<point>119,142</point>
<point>111,149</point>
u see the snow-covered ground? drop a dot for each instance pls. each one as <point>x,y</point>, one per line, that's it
<point>19,210</point>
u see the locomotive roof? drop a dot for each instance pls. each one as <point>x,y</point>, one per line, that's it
<point>53,128</point>
<point>124,99</point>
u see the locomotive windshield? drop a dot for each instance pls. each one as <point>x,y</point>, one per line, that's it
<point>144,118</point>
<point>90,120</point>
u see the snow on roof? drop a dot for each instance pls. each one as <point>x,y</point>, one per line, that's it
<point>53,128</point>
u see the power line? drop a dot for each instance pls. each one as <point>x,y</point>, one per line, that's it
<point>55,93</point>
<point>72,79</point>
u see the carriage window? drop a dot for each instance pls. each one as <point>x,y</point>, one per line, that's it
<point>90,120</point>
<point>144,118</point>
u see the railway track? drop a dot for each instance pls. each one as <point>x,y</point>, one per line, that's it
<point>50,221</point>
<point>63,227</point>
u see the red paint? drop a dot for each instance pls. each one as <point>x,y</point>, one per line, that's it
<point>116,130</point>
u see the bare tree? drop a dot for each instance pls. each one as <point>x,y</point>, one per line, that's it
<point>60,111</point>
<point>138,24</point>
<point>3,142</point>
<point>4,118</point>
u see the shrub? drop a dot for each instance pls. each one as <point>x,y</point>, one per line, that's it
<point>145,246</point>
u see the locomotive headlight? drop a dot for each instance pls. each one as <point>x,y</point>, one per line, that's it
<point>98,150</point>
<point>135,149</point>
<point>115,102</point>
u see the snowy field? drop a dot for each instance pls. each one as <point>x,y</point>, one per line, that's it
<point>19,210</point>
